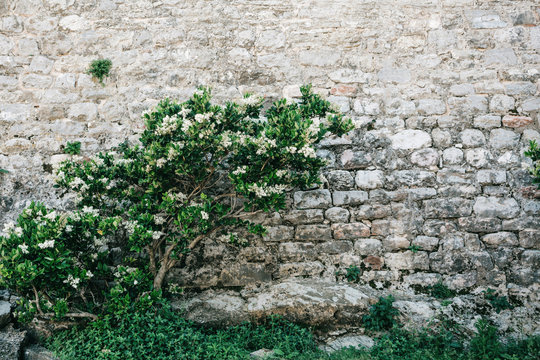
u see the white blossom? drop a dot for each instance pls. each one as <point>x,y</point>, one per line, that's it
<point>161,162</point>
<point>89,274</point>
<point>18,231</point>
<point>168,126</point>
<point>9,226</point>
<point>50,216</point>
<point>307,151</point>
<point>159,220</point>
<point>240,170</point>
<point>24,248</point>
<point>46,244</point>
<point>204,215</point>
<point>74,282</point>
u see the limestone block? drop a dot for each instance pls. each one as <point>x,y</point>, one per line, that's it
<point>504,208</point>
<point>503,139</point>
<point>312,199</point>
<point>350,231</point>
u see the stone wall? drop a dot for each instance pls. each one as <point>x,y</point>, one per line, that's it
<point>433,187</point>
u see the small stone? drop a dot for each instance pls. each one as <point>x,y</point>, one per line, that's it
<point>504,208</point>
<point>356,341</point>
<point>350,231</point>
<point>476,157</point>
<point>485,177</point>
<point>500,103</point>
<point>41,64</point>
<point>11,343</point>
<point>355,159</point>
<point>452,156</point>
<point>369,179</point>
<point>500,239</point>
<point>36,352</point>
<point>532,104</point>
<point>516,121</point>
<point>340,179</point>
<point>308,216</point>
<point>462,89</point>
<point>73,23</point>
<point>503,139</point>
<point>394,75</point>
<point>337,214</point>
<point>407,260</point>
<point>472,138</point>
<point>313,232</point>
<point>426,243</point>
<point>374,262</point>
<point>354,197</point>
<point>392,243</point>
<point>482,19</point>
<point>431,107</point>
<point>447,208</point>
<point>504,56</point>
<point>368,246</point>
<point>529,239</point>
<point>343,90</point>
<point>487,121</point>
<point>410,139</point>
<point>296,251</point>
<point>262,354</point>
<point>520,88</point>
<point>83,112</point>
<point>425,157</point>
<point>279,233</point>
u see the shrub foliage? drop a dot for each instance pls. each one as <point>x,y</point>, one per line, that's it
<point>199,170</point>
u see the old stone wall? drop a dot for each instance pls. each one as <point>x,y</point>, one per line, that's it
<point>433,187</point>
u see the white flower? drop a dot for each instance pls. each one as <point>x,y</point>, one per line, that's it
<point>46,244</point>
<point>204,215</point>
<point>156,235</point>
<point>240,170</point>
<point>168,125</point>
<point>18,231</point>
<point>98,161</point>
<point>290,149</point>
<point>161,162</point>
<point>308,151</point>
<point>24,248</point>
<point>281,173</point>
<point>90,210</point>
<point>250,100</point>
<point>184,112</point>
<point>159,220</point>
<point>8,227</point>
<point>135,282</point>
<point>74,282</point>
<point>199,118</point>
<point>89,274</point>
<point>51,216</point>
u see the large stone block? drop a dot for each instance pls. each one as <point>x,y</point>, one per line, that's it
<point>411,139</point>
<point>504,208</point>
<point>313,199</point>
<point>350,231</point>
<point>354,197</point>
<point>447,208</point>
<point>313,232</point>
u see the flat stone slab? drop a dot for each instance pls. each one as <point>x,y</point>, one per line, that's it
<point>355,341</point>
<point>306,301</point>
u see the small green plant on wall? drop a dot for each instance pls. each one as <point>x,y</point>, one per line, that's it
<point>534,154</point>
<point>73,148</point>
<point>100,69</point>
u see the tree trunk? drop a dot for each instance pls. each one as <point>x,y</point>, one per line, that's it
<point>160,276</point>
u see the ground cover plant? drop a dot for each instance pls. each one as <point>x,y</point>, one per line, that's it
<point>164,335</point>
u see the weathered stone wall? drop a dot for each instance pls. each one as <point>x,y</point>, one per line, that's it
<point>433,187</point>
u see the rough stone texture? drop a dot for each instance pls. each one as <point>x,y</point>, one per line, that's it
<point>36,352</point>
<point>448,95</point>
<point>5,313</point>
<point>12,342</point>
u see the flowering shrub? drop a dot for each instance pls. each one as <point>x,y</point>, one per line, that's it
<point>200,170</point>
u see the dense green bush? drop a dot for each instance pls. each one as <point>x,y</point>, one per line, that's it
<point>100,69</point>
<point>200,170</point>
